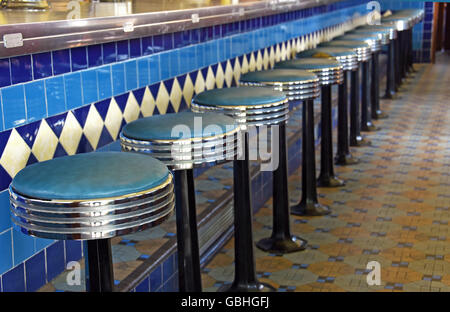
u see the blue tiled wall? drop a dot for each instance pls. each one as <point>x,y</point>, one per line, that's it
<point>422,31</point>
<point>73,101</point>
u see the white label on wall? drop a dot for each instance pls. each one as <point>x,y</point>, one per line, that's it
<point>13,40</point>
<point>128,27</point>
<point>195,18</point>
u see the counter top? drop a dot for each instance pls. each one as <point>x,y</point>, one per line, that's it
<point>100,22</point>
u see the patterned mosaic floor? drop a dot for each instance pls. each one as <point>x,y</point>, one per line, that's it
<point>394,208</point>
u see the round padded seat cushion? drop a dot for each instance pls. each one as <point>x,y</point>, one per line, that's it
<point>278,75</point>
<point>309,63</point>
<point>359,37</point>
<point>241,96</point>
<point>327,52</point>
<point>160,127</point>
<point>93,175</point>
<point>347,43</point>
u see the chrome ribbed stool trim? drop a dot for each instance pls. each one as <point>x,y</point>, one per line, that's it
<point>93,218</point>
<point>255,115</point>
<point>372,40</point>
<point>361,48</point>
<point>295,91</point>
<point>346,56</point>
<point>401,23</point>
<point>187,153</point>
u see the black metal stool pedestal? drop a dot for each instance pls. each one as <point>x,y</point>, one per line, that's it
<point>93,197</point>
<point>298,85</point>
<point>250,106</point>
<point>363,51</point>
<point>183,141</point>
<point>330,72</point>
<point>349,60</point>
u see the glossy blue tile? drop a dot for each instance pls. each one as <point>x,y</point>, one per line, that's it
<point>73,250</point>
<point>42,243</point>
<point>79,58</point>
<point>154,68</point>
<point>61,61</point>
<point>35,100</point>
<point>104,82</point>
<point>55,260</point>
<point>156,279</point>
<point>6,259</point>
<point>109,52</point>
<point>135,48</point>
<point>56,99</point>
<point>42,65</point>
<point>90,88</point>
<point>14,280</point>
<point>147,45</point>
<point>95,57</point>
<point>5,217</point>
<point>195,36</point>
<point>21,69</point>
<point>174,62</point>
<point>23,247</point>
<point>131,75</point>
<point>162,42</point>
<point>143,72</point>
<point>72,83</point>
<point>5,73</point>
<point>122,50</point>
<point>164,65</point>
<point>188,59</point>
<point>35,272</point>
<point>181,39</point>
<point>118,78</point>
<point>13,100</point>
<point>211,52</point>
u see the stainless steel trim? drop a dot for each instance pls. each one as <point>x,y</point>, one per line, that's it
<point>54,35</point>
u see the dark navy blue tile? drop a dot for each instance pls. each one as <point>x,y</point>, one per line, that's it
<point>147,45</point>
<point>144,286</point>
<point>195,36</point>
<point>73,250</point>
<point>20,69</point>
<point>61,61</point>
<point>109,52</point>
<point>79,58</point>
<point>181,39</point>
<point>168,268</point>
<point>55,260</point>
<point>14,280</point>
<point>156,279</point>
<point>95,55</point>
<point>135,47</point>
<point>122,50</point>
<point>35,271</point>
<point>42,65</point>
<point>5,73</point>
<point>217,32</point>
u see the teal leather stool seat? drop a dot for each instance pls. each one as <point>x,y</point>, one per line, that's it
<point>298,85</point>
<point>392,30</point>
<point>329,71</point>
<point>247,105</point>
<point>346,56</point>
<point>402,23</point>
<point>349,60</point>
<point>183,141</point>
<point>251,107</point>
<point>373,40</point>
<point>383,34</point>
<point>93,197</point>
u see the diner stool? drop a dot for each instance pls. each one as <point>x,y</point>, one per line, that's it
<point>183,141</point>
<point>384,36</point>
<point>330,72</point>
<point>250,106</point>
<point>375,44</point>
<point>390,69</point>
<point>363,52</point>
<point>92,197</point>
<point>299,86</point>
<point>349,60</point>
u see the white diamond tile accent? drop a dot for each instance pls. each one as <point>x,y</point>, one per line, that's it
<point>148,103</point>
<point>176,95</point>
<point>93,127</point>
<point>15,155</point>
<point>162,99</point>
<point>113,119</point>
<point>131,112</point>
<point>71,134</point>
<point>45,144</point>
<point>188,90</point>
